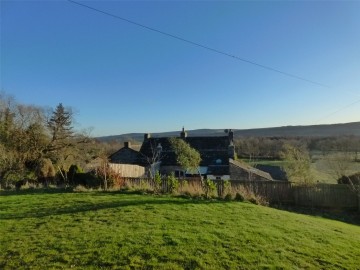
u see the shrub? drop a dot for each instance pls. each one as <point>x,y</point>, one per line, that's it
<point>245,193</point>
<point>28,184</point>
<point>209,188</point>
<point>353,179</point>
<point>145,186</point>
<point>80,188</point>
<point>71,174</point>
<point>258,200</point>
<point>253,200</point>
<point>157,182</point>
<point>173,183</point>
<point>239,197</point>
<point>227,186</point>
<point>88,180</point>
<point>45,171</point>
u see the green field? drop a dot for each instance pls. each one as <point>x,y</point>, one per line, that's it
<point>96,230</point>
<point>321,170</point>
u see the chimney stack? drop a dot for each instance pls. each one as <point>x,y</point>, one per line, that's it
<point>147,136</point>
<point>127,144</point>
<point>183,134</point>
<point>231,150</point>
<point>231,136</point>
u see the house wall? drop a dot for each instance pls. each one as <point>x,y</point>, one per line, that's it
<point>170,169</point>
<point>238,173</point>
<point>128,170</point>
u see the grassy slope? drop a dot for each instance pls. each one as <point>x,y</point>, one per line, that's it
<point>111,230</point>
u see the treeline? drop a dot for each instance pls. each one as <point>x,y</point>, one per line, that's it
<point>41,145</point>
<point>272,147</point>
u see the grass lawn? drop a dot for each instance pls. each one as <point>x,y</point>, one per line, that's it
<point>96,230</point>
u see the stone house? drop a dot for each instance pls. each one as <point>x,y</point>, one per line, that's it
<point>218,158</point>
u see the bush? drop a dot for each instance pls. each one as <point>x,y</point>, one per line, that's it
<point>209,188</point>
<point>80,188</point>
<point>239,197</point>
<point>88,180</point>
<point>258,200</point>
<point>173,183</point>
<point>353,179</point>
<point>71,174</point>
<point>145,186</point>
<point>227,187</point>
<point>157,182</point>
<point>247,194</point>
<point>45,171</point>
<point>253,200</point>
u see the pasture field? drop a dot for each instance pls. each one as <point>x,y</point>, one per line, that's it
<point>111,230</point>
<point>322,170</point>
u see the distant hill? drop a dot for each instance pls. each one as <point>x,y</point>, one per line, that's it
<point>286,131</point>
<point>301,131</point>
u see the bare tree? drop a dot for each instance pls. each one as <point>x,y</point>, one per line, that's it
<point>338,164</point>
<point>339,167</point>
<point>154,157</point>
<point>297,164</point>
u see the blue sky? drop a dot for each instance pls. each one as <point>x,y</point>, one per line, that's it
<point>122,78</point>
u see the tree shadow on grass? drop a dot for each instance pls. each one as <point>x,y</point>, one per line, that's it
<point>343,215</point>
<point>35,191</point>
<point>80,207</point>
<point>347,216</point>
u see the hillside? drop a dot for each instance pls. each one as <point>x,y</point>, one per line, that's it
<point>286,131</point>
<point>99,230</point>
<point>308,131</point>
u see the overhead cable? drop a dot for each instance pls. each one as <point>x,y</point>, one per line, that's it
<point>200,45</point>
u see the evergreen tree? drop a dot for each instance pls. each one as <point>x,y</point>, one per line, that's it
<point>60,125</point>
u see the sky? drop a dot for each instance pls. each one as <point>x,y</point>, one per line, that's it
<point>120,77</point>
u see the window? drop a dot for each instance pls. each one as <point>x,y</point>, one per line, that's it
<point>179,173</point>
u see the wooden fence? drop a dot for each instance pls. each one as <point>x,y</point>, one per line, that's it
<point>326,195</point>
<point>319,195</point>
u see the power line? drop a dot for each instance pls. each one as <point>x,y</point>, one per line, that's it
<point>339,110</point>
<point>199,45</point>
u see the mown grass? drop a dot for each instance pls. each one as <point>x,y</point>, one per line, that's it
<point>96,230</point>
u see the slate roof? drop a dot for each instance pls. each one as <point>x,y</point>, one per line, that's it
<point>213,150</point>
<point>125,156</point>
<point>251,169</point>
